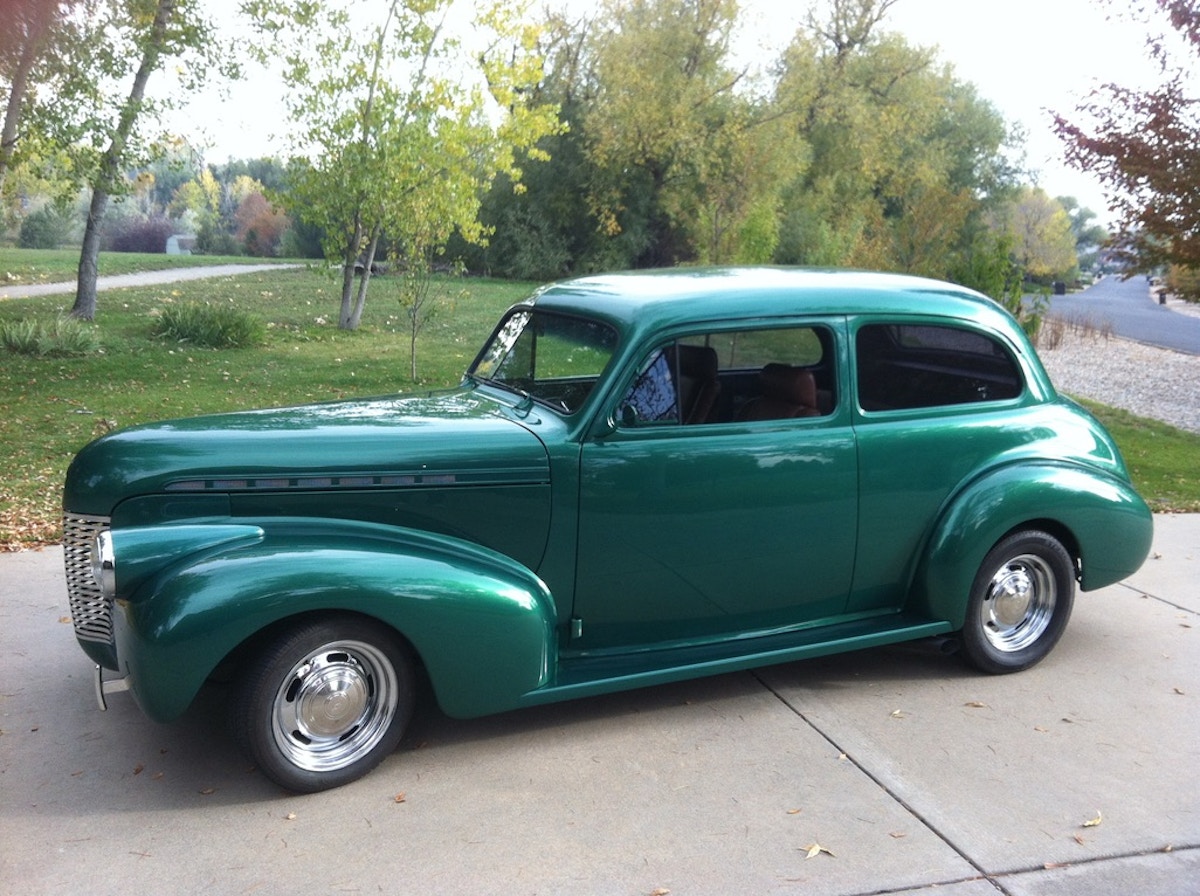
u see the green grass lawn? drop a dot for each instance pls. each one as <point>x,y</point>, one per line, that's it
<point>50,407</point>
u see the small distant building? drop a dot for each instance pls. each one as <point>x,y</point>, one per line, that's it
<point>181,244</point>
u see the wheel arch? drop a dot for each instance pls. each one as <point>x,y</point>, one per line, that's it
<point>1100,521</point>
<point>483,628</point>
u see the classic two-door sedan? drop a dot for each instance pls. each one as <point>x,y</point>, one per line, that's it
<point>642,478</point>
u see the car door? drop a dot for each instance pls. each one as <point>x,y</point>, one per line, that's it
<point>742,520</point>
<point>938,400</point>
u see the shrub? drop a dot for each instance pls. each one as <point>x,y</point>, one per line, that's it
<point>139,235</point>
<point>44,229</point>
<point>65,337</point>
<point>209,326</point>
<point>1184,282</point>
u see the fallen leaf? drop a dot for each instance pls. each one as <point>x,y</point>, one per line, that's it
<point>1039,728</point>
<point>1094,822</point>
<point>138,769</point>
<point>1179,691</point>
<point>1079,839</point>
<point>661,891</point>
<point>291,816</point>
<point>1050,866</point>
<point>976,704</point>
<point>815,849</point>
<point>897,835</point>
<point>208,791</point>
<point>156,776</point>
<point>898,714</point>
<point>65,620</point>
<point>399,798</point>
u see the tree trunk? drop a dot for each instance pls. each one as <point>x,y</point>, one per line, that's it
<point>112,161</point>
<point>36,30</point>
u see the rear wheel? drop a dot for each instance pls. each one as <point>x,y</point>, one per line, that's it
<point>324,703</point>
<point>1020,603</point>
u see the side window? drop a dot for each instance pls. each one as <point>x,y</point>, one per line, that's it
<point>917,366</point>
<point>734,375</point>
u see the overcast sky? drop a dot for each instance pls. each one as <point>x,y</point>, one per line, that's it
<point>1027,57</point>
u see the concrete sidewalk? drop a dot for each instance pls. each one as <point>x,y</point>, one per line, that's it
<point>910,771</point>
<point>145,278</point>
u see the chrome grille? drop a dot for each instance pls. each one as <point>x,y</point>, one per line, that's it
<point>90,612</point>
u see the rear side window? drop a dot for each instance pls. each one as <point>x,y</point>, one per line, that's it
<point>919,366</point>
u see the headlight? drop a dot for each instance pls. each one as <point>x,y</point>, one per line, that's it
<point>104,565</point>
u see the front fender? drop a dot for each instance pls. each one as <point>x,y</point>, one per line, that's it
<point>1110,524</point>
<point>482,624</point>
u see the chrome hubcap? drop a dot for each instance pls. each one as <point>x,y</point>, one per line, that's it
<point>335,705</point>
<point>1019,603</point>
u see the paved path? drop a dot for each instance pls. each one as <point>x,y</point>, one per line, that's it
<point>920,776</point>
<point>1127,306</point>
<point>145,278</point>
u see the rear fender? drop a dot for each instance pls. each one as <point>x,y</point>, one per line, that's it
<point>483,625</point>
<point>1107,521</point>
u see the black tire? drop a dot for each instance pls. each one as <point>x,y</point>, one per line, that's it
<point>1020,603</point>
<point>324,702</point>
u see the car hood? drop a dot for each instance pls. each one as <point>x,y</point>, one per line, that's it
<point>458,437</point>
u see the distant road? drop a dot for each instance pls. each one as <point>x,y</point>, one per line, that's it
<point>1128,307</point>
<point>146,278</point>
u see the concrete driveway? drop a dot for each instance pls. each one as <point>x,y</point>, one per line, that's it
<point>910,772</point>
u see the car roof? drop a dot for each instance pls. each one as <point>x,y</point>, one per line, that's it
<point>657,299</point>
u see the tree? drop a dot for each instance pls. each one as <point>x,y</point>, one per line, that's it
<point>666,103</point>
<point>1039,232</point>
<point>902,157</point>
<point>141,33</point>
<point>40,42</point>
<point>401,125</point>
<point>1144,146</point>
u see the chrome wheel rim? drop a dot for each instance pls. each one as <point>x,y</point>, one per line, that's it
<point>335,705</point>
<point>1019,603</point>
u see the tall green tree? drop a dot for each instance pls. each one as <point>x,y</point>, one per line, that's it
<point>668,104</point>
<point>1144,145</point>
<point>43,87</point>
<point>400,125</point>
<point>903,156</point>
<point>1039,232</point>
<point>139,35</point>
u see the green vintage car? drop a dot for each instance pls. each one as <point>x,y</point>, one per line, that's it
<point>642,478</point>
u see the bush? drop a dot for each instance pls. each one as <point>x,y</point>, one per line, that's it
<point>209,326</point>
<point>44,229</point>
<point>64,338</point>
<point>139,235</point>
<point>1184,282</point>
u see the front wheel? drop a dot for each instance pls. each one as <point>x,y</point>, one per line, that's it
<point>324,703</point>
<point>1020,603</point>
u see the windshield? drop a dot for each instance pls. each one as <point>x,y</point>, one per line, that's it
<point>555,359</point>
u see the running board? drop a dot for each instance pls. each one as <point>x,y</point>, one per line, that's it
<point>584,676</point>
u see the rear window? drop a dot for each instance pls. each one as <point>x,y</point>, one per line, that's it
<point>904,366</point>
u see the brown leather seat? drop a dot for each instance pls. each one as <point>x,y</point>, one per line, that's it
<point>786,392</point>
<point>695,368</point>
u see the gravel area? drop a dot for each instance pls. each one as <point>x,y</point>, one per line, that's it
<point>1145,380</point>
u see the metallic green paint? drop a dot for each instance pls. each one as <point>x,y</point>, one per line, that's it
<point>1100,514</point>
<point>482,624</point>
<point>530,556</point>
